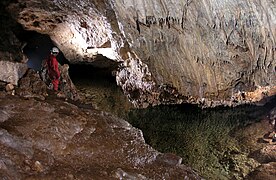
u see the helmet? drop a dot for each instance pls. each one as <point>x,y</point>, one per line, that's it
<point>55,50</point>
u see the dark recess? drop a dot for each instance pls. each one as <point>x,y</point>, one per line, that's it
<point>101,69</point>
<point>38,48</point>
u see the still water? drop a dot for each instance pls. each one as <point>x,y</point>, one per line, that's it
<point>211,141</point>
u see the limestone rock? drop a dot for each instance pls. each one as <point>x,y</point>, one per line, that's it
<point>9,87</point>
<point>10,47</point>
<point>38,166</point>
<point>265,171</point>
<point>5,114</point>
<point>169,158</point>
<point>66,85</point>
<point>267,154</point>
<point>205,49</point>
<point>216,49</point>
<point>11,72</point>
<point>31,85</point>
<point>56,140</point>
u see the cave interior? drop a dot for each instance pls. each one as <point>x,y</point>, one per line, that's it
<point>37,48</point>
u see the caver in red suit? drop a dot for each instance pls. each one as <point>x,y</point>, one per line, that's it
<point>52,65</point>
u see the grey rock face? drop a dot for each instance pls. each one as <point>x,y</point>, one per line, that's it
<point>203,49</point>
<point>206,49</point>
<point>11,72</point>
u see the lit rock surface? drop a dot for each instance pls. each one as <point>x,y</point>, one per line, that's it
<point>54,139</point>
<point>11,72</point>
<point>209,51</point>
<point>267,154</point>
<point>265,171</point>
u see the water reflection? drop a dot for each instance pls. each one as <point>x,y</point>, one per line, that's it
<point>201,137</point>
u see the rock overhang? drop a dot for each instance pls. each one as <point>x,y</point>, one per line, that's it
<point>203,53</point>
<point>75,31</point>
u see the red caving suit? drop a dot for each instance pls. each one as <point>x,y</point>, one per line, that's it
<point>53,71</point>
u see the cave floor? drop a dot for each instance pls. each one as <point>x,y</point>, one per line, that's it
<point>55,139</point>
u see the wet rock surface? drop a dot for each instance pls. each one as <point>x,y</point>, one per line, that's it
<point>267,154</point>
<point>252,139</point>
<point>265,171</point>
<point>54,139</point>
<point>66,85</point>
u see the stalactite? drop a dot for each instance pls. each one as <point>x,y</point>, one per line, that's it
<point>138,26</point>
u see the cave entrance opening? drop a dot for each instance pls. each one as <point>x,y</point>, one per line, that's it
<point>96,82</point>
<point>100,71</point>
<point>37,48</point>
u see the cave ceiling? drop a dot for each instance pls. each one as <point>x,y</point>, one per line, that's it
<point>195,51</point>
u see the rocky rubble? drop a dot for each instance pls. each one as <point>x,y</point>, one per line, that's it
<point>31,85</point>
<point>37,84</point>
<point>254,138</point>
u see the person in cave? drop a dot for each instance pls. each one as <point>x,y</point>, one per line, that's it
<point>52,68</point>
<point>272,119</point>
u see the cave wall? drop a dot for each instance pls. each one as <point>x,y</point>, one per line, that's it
<point>10,46</point>
<point>12,60</point>
<point>171,51</point>
<point>75,27</point>
<point>207,48</point>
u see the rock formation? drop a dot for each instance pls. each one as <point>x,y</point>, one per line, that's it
<point>205,50</point>
<point>265,171</point>
<point>209,52</point>
<point>11,72</point>
<point>54,139</point>
<point>31,85</point>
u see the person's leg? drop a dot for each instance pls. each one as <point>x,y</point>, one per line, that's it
<point>274,125</point>
<point>55,83</point>
<point>274,132</point>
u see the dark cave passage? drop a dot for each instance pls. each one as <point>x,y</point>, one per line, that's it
<point>38,48</point>
<point>97,86</point>
<point>97,71</point>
